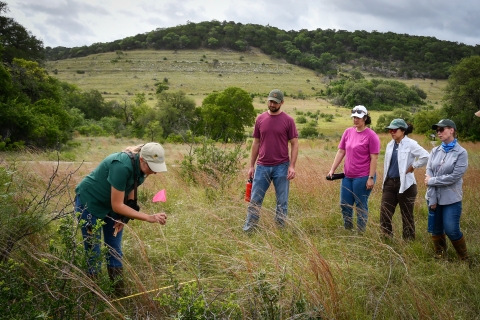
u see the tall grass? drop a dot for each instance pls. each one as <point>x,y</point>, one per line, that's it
<point>202,265</point>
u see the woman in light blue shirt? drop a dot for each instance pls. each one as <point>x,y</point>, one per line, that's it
<point>402,156</point>
<point>444,179</point>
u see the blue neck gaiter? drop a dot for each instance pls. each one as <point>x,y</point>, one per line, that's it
<point>448,147</point>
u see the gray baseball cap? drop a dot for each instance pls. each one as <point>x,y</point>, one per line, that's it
<point>276,95</point>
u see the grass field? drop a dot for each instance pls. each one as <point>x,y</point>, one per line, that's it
<point>313,268</point>
<point>194,72</point>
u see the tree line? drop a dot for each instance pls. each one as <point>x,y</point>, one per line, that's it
<point>385,53</point>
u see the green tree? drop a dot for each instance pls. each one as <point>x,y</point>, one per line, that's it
<point>176,112</point>
<point>226,114</point>
<point>17,41</point>
<point>463,97</point>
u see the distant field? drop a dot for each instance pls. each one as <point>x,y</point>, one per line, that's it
<point>200,72</point>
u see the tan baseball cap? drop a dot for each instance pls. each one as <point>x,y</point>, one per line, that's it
<point>477,113</point>
<point>154,154</point>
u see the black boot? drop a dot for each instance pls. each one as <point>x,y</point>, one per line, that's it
<point>116,276</point>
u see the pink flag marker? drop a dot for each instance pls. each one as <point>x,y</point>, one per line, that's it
<point>160,196</point>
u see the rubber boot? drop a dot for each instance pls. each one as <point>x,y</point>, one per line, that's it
<point>439,246</point>
<point>116,276</point>
<point>461,248</point>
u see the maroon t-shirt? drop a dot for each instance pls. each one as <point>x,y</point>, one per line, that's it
<point>274,133</point>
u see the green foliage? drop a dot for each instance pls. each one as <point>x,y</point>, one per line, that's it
<point>309,131</point>
<point>463,97</point>
<point>224,115</point>
<point>424,120</point>
<point>16,41</point>
<point>376,94</point>
<point>212,166</point>
<point>175,113</point>
<point>161,87</point>
<point>301,119</point>
<point>191,301</point>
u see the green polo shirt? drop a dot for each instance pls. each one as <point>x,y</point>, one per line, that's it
<point>95,190</point>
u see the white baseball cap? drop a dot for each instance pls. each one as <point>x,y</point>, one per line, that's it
<point>359,112</point>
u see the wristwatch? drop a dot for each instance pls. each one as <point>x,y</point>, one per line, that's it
<point>370,177</point>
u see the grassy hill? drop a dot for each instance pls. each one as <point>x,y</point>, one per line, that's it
<point>199,72</point>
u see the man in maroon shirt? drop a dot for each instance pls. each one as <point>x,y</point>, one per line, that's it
<point>273,130</point>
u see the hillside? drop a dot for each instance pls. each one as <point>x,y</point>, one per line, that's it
<point>199,72</point>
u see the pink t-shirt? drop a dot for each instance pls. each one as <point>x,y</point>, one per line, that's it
<point>274,133</point>
<point>358,146</point>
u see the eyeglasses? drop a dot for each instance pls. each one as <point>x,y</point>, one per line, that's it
<point>392,130</point>
<point>358,111</point>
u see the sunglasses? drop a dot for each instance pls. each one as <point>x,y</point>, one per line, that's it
<point>392,130</point>
<point>440,129</point>
<point>358,111</point>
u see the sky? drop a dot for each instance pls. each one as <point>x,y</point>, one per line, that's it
<point>75,23</point>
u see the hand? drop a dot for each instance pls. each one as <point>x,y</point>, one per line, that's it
<point>410,169</point>
<point>291,173</point>
<point>251,172</point>
<point>370,184</point>
<point>433,207</point>
<point>330,173</point>
<point>158,217</point>
<point>427,177</point>
<point>118,226</point>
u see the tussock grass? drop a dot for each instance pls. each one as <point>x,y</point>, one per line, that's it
<point>312,268</point>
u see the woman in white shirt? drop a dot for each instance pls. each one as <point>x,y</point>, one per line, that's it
<point>402,156</point>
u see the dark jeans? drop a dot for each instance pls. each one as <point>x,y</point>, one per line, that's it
<point>113,243</point>
<point>390,198</point>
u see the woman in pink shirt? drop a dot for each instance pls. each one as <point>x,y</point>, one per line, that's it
<point>360,147</point>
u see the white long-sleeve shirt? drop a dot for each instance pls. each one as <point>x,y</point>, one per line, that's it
<point>409,153</point>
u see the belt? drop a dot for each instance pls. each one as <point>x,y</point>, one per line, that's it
<point>394,179</point>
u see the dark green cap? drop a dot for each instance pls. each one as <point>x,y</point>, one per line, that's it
<point>276,95</point>
<point>445,123</point>
<point>397,123</point>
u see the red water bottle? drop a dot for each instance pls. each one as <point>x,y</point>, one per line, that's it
<point>248,190</point>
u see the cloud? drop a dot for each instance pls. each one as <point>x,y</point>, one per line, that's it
<point>83,22</point>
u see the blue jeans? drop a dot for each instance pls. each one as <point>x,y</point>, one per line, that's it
<point>114,244</point>
<point>445,219</point>
<point>264,175</point>
<point>354,192</point>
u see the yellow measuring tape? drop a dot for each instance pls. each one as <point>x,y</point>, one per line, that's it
<point>153,290</point>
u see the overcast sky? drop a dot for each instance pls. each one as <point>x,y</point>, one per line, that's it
<point>72,23</point>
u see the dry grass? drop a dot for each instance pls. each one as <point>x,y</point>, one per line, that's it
<point>339,274</point>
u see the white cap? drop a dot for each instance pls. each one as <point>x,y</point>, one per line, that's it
<point>359,115</point>
<point>154,154</point>
<point>477,113</point>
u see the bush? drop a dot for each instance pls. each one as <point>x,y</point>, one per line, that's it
<point>301,119</point>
